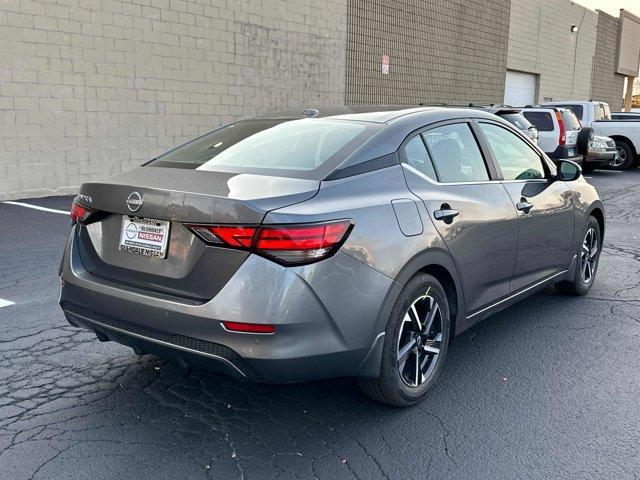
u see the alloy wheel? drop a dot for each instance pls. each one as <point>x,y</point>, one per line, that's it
<point>620,158</point>
<point>589,255</point>
<point>419,340</point>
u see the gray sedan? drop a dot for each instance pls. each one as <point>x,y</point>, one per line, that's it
<point>321,243</point>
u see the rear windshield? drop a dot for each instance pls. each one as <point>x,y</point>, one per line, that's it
<point>271,146</point>
<point>570,120</point>
<point>542,120</point>
<point>517,119</point>
<point>578,110</point>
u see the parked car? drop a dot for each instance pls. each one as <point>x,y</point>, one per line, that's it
<point>284,249</point>
<point>602,153</point>
<point>558,132</point>
<point>515,117</point>
<point>625,116</point>
<point>626,133</point>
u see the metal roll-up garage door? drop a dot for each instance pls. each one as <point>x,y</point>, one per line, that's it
<point>520,89</point>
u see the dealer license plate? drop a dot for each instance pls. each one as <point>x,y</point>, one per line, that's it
<point>144,236</point>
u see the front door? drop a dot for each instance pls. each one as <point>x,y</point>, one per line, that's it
<point>544,207</point>
<point>473,214</point>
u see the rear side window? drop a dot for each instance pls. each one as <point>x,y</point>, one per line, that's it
<point>277,145</point>
<point>570,120</point>
<point>599,112</point>
<point>456,154</point>
<point>518,120</point>
<point>542,120</point>
<point>417,156</point>
<point>578,110</point>
<point>517,160</point>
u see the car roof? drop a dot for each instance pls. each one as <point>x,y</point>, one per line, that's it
<point>380,113</point>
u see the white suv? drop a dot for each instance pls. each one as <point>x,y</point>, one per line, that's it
<point>624,129</point>
<point>558,131</point>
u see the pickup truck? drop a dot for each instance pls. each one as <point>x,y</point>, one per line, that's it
<point>626,133</point>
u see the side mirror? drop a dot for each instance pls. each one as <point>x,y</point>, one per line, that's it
<point>568,171</point>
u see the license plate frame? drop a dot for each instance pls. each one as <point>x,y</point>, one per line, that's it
<point>148,237</point>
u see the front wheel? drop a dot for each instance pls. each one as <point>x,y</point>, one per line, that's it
<point>588,258</point>
<point>416,340</point>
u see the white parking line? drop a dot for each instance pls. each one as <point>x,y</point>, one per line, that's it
<point>5,303</point>
<point>37,207</point>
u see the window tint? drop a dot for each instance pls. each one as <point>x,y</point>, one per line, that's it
<point>418,158</point>
<point>542,120</point>
<point>517,160</point>
<point>456,154</point>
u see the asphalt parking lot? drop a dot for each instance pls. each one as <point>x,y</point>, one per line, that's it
<point>546,389</point>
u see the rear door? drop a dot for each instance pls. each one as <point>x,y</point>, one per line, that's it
<point>474,215</point>
<point>544,207</point>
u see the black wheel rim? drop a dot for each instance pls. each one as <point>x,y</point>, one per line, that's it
<point>589,255</point>
<point>419,341</point>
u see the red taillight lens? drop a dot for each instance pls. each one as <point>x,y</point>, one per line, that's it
<point>301,243</point>
<point>80,213</point>
<point>563,132</point>
<point>234,236</point>
<point>288,244</point>
<point>242,327</point>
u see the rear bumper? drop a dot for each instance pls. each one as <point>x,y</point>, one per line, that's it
<point>324,315</point>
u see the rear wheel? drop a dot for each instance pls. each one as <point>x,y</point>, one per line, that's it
<point>415,345</point>
<point>625,157</point>
<point>588,258</point>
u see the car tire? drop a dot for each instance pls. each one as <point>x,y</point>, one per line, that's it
<point>626,156</point>
<point>400,384</point>
<point>588,167</point>
<point>579,285</point>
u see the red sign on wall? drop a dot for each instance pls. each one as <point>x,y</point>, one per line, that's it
<point>385,64</point>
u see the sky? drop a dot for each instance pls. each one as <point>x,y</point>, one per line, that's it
<point>612,7</point>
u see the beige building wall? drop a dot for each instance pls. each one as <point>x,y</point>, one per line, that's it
<point>541,42</point>
<point>606,84</point>
<point>440,51</point>
<point>89,88</point>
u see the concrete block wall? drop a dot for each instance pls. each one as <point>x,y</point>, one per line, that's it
<point>89,88</point>
<point>606,85</point>
<point>541,42</point>
<point>451,51</point>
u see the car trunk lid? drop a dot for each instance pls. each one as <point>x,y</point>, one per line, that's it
<point>178,196</point>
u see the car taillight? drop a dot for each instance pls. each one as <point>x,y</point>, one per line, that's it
<point>294,244</point>
<point>563,133</point>
<point>80,213</point>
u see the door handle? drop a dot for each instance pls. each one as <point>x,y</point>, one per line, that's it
<point>445,214</point>
<point>524,206</point>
